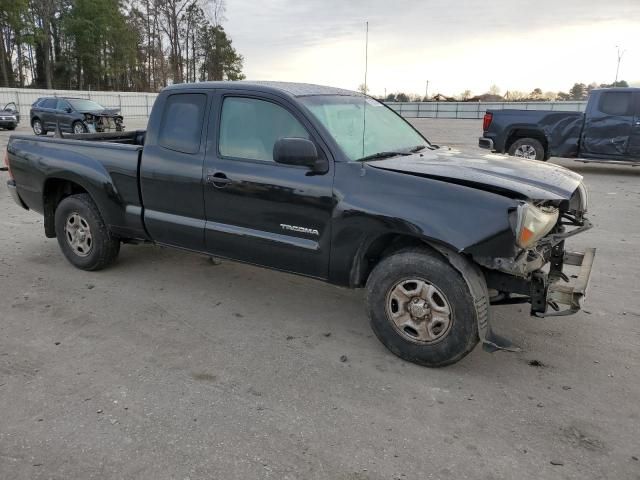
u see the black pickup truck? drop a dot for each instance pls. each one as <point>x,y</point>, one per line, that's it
<point>608,131</point>
<point>290,177</point>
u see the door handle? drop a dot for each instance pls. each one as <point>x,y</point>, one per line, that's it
<point>218,180</point>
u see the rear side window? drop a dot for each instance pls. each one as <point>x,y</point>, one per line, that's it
<point>615,103</point>
<point>49,103</point>
<point>181,126</point>
<point>62,105</point>
<point>249,128</point>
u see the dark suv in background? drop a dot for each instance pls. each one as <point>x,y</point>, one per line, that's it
<point>75,115</point>
<point>9,116</point>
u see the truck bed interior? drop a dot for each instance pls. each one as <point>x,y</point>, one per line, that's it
<point>134,137</point>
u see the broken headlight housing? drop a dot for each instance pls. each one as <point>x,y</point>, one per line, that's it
<point>534,223</point>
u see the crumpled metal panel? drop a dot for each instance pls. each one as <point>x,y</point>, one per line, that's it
<point>562,131</point>
<point>606,135</point>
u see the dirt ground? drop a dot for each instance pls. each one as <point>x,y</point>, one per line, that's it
<point>166,366</point>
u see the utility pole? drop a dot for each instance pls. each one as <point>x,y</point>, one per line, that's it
<point>385,93</point>
<point>620,54</point>
<point>426,90</point>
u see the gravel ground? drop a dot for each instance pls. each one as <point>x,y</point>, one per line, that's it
<point>167,366</point>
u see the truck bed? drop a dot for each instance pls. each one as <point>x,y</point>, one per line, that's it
<point>106,165</point>
<point>133,137</point>
<point>560,129</point>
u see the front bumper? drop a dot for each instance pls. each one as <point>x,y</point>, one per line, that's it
<point>8,123</point>
<point>561,291</point>
<point>13,190</point>
<point>570,291</point>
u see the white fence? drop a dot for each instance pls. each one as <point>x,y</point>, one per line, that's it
<point>138,105</point>
<point>131,104</point>
<point>473,110</point>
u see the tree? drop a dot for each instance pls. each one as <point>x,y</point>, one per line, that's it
<point>114,44</point>
<point>578,91</point>
<point>362,88</point>
<point>221,61</point>
<point>390,98</point>
<point>536,95</point>
<point>515,96</point>
<point>402,97</point>
<point>466,95</point>
<point>619,83</point>
<point>494,90</point>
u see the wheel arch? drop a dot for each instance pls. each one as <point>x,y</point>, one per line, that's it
<point>375,249</point>
<point>520,132</point>
<point>55,189</point>
<point>95,182</point>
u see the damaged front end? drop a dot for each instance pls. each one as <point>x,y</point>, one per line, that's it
<point>104,121</point>
<point>543,273</point>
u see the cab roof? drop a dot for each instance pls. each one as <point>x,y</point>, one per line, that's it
<point>288,88</point>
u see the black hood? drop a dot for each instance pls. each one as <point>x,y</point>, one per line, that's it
<point>514,177</point>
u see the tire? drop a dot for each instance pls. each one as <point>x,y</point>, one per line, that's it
<point>528,148</point>
<point>38,128</point>
<point>77,220</point>
<point>79,127</point>
<point>11,128</point>
<point>451,342</point>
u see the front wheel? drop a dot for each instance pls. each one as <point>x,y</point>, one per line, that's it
<point>79,127</point>
<point>421,308</point>
<point>528,148</point>
<point>82,235</point>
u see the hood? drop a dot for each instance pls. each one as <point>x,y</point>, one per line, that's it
<point>106,112</point>
<point>509,176</point>
<point>8,112</point>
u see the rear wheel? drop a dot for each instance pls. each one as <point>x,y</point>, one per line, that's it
<point>528,148</point>
<point>82,234</point>
<point>37,126</point>
<point>421,308</point>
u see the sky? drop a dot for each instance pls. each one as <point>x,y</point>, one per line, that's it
<point>455,45</point>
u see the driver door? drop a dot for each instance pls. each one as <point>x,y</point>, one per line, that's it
<point>259,211</point>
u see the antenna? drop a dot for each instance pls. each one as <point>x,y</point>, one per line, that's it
<point>620,55</point>
<point>364,93</point>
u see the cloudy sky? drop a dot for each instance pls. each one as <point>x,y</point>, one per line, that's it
<point>456,45</point>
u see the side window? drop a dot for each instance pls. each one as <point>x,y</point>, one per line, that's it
<point>615,103</point>
<point>49,103</point>
<point>62,105</point>
<point>249,128</point>
<point>181,125</point>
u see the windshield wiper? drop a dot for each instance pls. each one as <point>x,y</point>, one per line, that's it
<point>382,155</point>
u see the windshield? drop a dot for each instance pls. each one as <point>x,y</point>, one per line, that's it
<point>343,117</point>
<point>84,105</point>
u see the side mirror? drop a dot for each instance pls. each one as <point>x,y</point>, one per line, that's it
<point>298,151</point>
<point>68,110</point>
